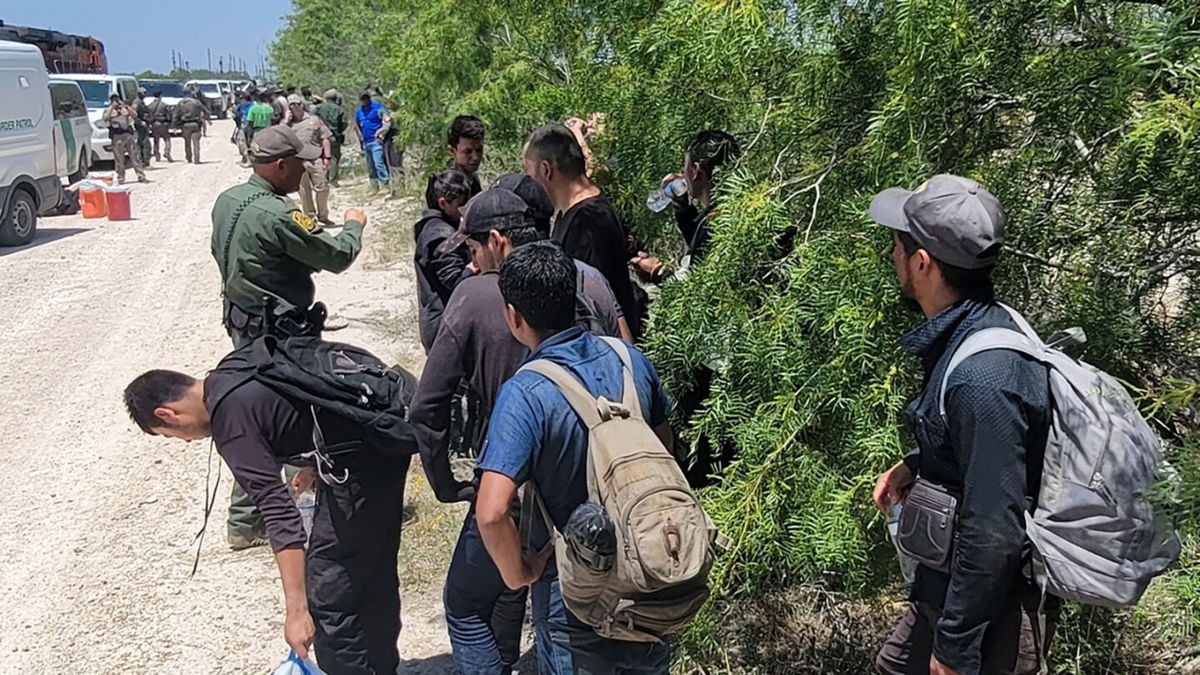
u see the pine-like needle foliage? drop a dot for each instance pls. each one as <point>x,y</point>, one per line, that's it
<point>1082,116</point>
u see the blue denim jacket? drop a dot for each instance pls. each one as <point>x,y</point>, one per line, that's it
<point>989,448</point>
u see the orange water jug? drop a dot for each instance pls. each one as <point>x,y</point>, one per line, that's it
<point>118,203</point>
<point>92,202</point>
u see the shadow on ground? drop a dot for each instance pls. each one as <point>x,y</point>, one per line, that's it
<point>44,236</point>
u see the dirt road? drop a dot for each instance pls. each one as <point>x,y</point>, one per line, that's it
<point>97,519</point>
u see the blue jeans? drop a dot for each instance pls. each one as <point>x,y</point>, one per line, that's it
<point>376,165</point>
<point>567,646</point>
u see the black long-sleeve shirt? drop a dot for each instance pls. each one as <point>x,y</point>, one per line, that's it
<point>437,273</point>
<point>990,447</point>
<point>256,430</point>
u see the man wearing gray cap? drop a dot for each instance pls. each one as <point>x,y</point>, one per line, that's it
<point>973,609</point>
<point>267,252</point>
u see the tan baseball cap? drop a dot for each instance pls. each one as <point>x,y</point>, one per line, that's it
<point>280,142</point>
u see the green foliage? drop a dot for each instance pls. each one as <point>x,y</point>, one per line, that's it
<point>1083,116</point>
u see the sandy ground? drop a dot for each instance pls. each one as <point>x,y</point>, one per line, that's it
<point>97,519</point>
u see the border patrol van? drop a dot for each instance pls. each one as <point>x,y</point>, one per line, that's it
<point>29,180</point>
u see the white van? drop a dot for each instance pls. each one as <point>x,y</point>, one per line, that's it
<point>29,181</point>
<point>72,130</point>
<point>96,91</point>
<point>214,97</point>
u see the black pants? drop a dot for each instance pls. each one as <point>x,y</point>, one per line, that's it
<point>1010,645</point>
<point>350,568</point>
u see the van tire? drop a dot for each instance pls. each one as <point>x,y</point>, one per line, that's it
<point>19,222</point>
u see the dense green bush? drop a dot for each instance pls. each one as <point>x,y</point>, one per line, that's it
<point>1083,116</point>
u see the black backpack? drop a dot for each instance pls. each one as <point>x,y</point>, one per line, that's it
<point>337,378</point>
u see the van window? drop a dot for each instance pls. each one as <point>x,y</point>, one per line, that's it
<point>67,101</point>
<point>128,90</point>
<point>95,92</point>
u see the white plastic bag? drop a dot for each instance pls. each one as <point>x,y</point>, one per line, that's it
<point>294,665</point>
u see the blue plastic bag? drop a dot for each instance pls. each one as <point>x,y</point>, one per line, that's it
<point>294,665</point>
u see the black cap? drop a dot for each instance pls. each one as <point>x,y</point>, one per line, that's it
<point>535,197</point>
<point>494,209</point>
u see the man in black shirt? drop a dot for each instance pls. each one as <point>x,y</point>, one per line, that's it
<point>587,226</point>
<point>980,614</point>
<point>343,591</point>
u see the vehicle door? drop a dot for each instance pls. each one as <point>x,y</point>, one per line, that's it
<point>71,128</point>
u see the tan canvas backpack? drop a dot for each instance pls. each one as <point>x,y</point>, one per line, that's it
<point>665,541</point>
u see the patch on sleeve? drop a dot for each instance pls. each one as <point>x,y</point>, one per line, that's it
<point>307,224</point>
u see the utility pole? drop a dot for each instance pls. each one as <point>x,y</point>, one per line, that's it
<point>172,59</point>
<point>209,58</point>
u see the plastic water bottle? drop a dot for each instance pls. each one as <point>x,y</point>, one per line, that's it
<point>908,566</point>
<point>307,503</point>
<point>661,198</point>
<point>592,536</point>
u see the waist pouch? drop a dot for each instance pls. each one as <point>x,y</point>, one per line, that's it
<point>928,525</point>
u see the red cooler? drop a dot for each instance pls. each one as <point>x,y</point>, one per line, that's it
<point>118,202</point>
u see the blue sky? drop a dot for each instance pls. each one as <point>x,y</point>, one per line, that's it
<point>139,36</point>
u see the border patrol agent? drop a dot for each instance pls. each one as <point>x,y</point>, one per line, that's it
<point>267,251</point>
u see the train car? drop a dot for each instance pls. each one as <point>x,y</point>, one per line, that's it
<point>63,53</point>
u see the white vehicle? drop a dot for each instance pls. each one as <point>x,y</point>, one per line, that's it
<point>227,92</point>
<point>29,180</point>
<point>214,98</point>
<point>172,92</point>
<point>72,130</point>
<point>96,92</point>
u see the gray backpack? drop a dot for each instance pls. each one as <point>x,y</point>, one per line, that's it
<point>665,542</point>
<point>1096,537</point>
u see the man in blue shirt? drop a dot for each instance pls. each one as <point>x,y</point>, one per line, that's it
<point>371,116</point>
<point>535,436</point>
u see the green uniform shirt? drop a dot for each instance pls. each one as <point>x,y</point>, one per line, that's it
<point>275,248</point>
<point>334,117</point>
<point>259,115</point>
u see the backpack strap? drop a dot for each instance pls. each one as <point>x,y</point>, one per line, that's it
<point>629,396</point>
<point>1026,342</point>
<point>585,405</point>
<point>987,340</point>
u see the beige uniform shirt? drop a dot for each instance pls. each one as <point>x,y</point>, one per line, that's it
<point>311,130</point>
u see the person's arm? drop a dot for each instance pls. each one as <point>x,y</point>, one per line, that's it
<point>447,267</point>
<point>303,239</point>
<point>989,432</point>
<point>499,532</point>
<point>430,415</point>
<point>623,327</point>
<point>298,629</point>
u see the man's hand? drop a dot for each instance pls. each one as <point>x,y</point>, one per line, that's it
<point>355,214</point>
<point>536,561</point>
<point>936,668</point>
<point>325,162</point>
<point>892,486</point>
<point>676,202</point>
<point>298,631</point>
<point>304,479</point>
<point>646,264</point>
